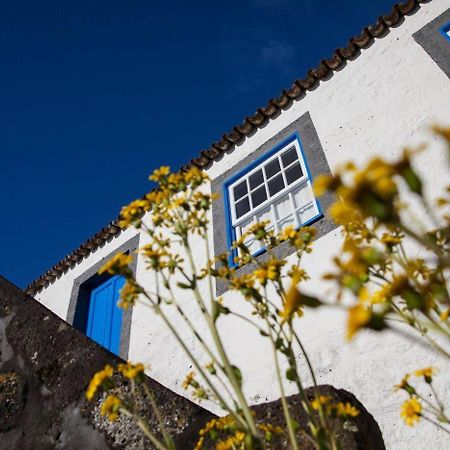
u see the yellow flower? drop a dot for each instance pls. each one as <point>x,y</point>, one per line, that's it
<point>404,383</point>
<point>292,301</point>
<point>391,240</point>
<point>288,233</point>
<point>159,174</point>
<point>322,400</point>
<point>128,294</point>
<point>118,264</point>
<point>133,212</point>
<point>190,381</point>
<point>358,317</point>
<point>324,183</point>
<point>346,409</point>
<point>411,411</point>
<point>427,373</point>
<point>344,213</point>
<point>381,295</point>
<point>268,428</point>
<point>199,444</point>
<point>232,442</point>
<point>131,371</point>
<point>444,314</point>
<point>97,380</point>
<point>111,407</point>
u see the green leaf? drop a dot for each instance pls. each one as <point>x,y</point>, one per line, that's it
<point>184,285</point>
<point>413,299</point>
<point>412,180</point>
<point>238,374</point>
<point>312,302</point>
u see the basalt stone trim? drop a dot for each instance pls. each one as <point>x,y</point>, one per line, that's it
<point>250,124</point>
<point>45,367</point>
<point>317,163</point>
<point>79,294</point>
<point>434,43</point>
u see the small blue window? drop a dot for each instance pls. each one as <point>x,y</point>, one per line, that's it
<point>445,31</point>
<point>276,187</point>
<point>97,314</point>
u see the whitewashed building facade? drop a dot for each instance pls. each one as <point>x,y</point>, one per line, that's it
<point>370,98</point>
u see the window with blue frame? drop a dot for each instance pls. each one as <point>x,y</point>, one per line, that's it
<point>97,314</point>
<point>275,188</point>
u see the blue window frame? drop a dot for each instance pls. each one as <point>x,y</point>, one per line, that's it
<point>275,187</point>
<point>445,31</point>
<point>98,315</point>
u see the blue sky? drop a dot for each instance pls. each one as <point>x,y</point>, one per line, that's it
<point>94,94</point>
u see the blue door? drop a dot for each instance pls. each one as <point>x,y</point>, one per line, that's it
<point>105,317</point>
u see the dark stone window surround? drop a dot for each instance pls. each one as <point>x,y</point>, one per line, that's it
<point>317,164</point>
<point>432,40</point>
<point>127,247</point>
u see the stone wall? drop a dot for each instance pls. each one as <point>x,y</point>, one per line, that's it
<point>45,366</point>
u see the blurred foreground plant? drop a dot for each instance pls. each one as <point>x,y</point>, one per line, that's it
<point>385,285</point>
<point>379,268</point>
<point>172,216</point>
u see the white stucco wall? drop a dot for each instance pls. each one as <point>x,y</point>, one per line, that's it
<point>384,99</point>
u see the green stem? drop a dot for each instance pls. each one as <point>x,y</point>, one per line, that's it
<point>284,404</point>
<point>167,438</point>
<point>219,346</point>
<point>159,310</point>
<point>143,426</point>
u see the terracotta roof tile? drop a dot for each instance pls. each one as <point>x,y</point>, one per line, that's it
<point>239,132</point>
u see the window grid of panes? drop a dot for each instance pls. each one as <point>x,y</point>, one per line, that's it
<point>278,190</point>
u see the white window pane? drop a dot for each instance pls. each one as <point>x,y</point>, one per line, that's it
<point>308,213</point>
<point>283,207</point>
<point>254,246</point>
<point>245,225</point>
<point>302,195</point>
<point>265,214</point>
<point>289,220</point>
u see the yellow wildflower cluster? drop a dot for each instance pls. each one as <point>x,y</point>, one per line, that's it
<point>98,380</point>
<point>168,198</point>
<point>129,294</point>
<point>190,381</point>
<point>268,271</point>
<point>111,407</point>
<point>301,239</point>
<point>346,410</point>
<point>131,371</point>
<point>132,213</point>
<point>292,302</point>
<point>358,317</point>
<point>118,264</point>
<point>233,442</point>
<point>270,430</point>
<point>221,424</point>
<point>341,409</point>
<point>411,411</point>
<point>427,374</point>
